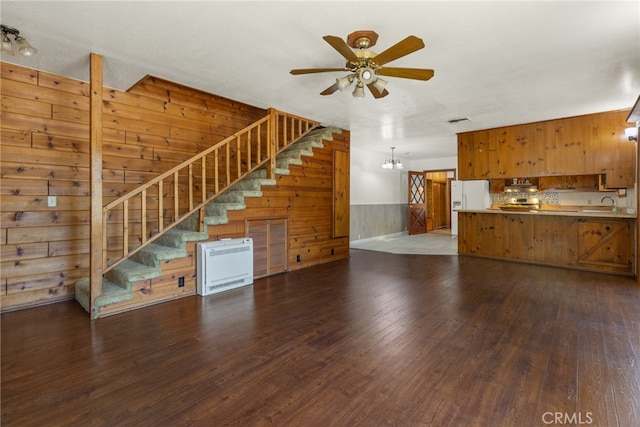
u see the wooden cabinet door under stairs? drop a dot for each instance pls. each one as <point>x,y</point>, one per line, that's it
<point>269,245</point>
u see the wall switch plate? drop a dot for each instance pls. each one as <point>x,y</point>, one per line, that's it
<point>52,201</point>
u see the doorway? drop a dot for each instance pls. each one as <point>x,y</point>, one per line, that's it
<point>417,207</point>
<point>430,201</point>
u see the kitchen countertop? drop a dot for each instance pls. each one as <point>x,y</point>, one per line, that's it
<point>556,212</point>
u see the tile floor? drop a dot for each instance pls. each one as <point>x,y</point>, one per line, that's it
<point>417,244</point>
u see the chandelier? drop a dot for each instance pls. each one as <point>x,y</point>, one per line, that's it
<point>392,163</point>
<point>19,43</point>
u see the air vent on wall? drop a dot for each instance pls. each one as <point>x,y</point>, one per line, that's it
<point>464,119</point>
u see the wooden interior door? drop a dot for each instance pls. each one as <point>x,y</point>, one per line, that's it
<point>439,205</point>
<point>417,223</point>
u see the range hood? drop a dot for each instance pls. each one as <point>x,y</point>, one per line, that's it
<point>526,187</point>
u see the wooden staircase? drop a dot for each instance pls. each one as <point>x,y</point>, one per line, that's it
<point>143,260</point>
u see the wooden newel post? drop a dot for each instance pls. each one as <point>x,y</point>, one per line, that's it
<point>95,155</point>
<point>273,134</point>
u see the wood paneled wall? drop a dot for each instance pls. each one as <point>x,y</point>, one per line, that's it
<point>147,130</point>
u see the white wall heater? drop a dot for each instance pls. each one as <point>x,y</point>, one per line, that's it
<point>224,264</point>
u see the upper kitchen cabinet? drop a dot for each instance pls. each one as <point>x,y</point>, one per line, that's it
<point>474,160</point>
<point>583,145</point>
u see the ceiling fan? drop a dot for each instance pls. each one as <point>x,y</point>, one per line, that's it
<point>365,65</point>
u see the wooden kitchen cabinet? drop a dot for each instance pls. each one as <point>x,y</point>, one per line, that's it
<point>605,244</point>
<point>569,182</point>
<point>586,243</point>
<point>520,243</point>
<point>584,145</point>
<point>473,156</point>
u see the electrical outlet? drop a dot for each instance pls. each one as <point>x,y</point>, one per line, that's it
<point>180,282</point>
<point>297,258</point>
<point>52,201</point>
<point>332,253</point>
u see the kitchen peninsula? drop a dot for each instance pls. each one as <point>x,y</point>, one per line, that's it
<point>596,241</point>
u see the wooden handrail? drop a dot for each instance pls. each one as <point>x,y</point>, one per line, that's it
<point>215,176</point>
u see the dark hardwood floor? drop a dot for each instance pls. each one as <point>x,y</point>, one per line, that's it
<point>378,339</point>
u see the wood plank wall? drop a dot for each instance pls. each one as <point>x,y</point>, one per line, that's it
<point>147,130</point>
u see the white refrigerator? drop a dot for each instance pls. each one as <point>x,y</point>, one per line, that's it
<point>468,195</point>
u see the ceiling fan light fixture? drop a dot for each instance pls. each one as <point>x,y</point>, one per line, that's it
<point>366,75</point>
<point>7,47</point>
<point>379,84</point>
<point>358,92</point>
<point>24,48</point>
<point>365,65</point>
<point>21,44</point>
<point>345,82</point>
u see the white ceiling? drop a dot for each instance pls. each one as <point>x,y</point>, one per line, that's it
<point>497,63</point>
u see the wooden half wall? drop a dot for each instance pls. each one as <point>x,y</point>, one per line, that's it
<point>147,130</point>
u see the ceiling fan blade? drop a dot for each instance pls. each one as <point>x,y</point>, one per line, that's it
<point>342,47</point>
<point>398,50</point>
<point>315,70</point>
<point>331,89</point>
<point>376,93</point>
<point>406,73</point>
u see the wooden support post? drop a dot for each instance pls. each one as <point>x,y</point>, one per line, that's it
<point>95,154</point>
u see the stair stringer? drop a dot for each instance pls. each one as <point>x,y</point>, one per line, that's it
<point>119,283</point>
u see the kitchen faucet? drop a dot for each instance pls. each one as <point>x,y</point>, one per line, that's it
<point>613,202</point>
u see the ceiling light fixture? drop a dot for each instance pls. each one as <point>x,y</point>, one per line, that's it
<point>379,84</point>
<point>345,82</point>
<point>358,92</point>
<point>392,163</point>
<point>364,65</point>
<point>19,43</point>
<point>632,134</point>
<point>366,74</point>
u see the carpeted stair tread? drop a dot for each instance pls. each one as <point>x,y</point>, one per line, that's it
<point>111,293</point>
<point>153,253</point>
<point>216,220</point>
<point>295,153</point>
<point>131,271</point>
<point>254,183</point>
<point>237,196</point>
<point>281,171</point>
<point>176,237</point>
<point>230,206</point>
<point>284,163</point>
